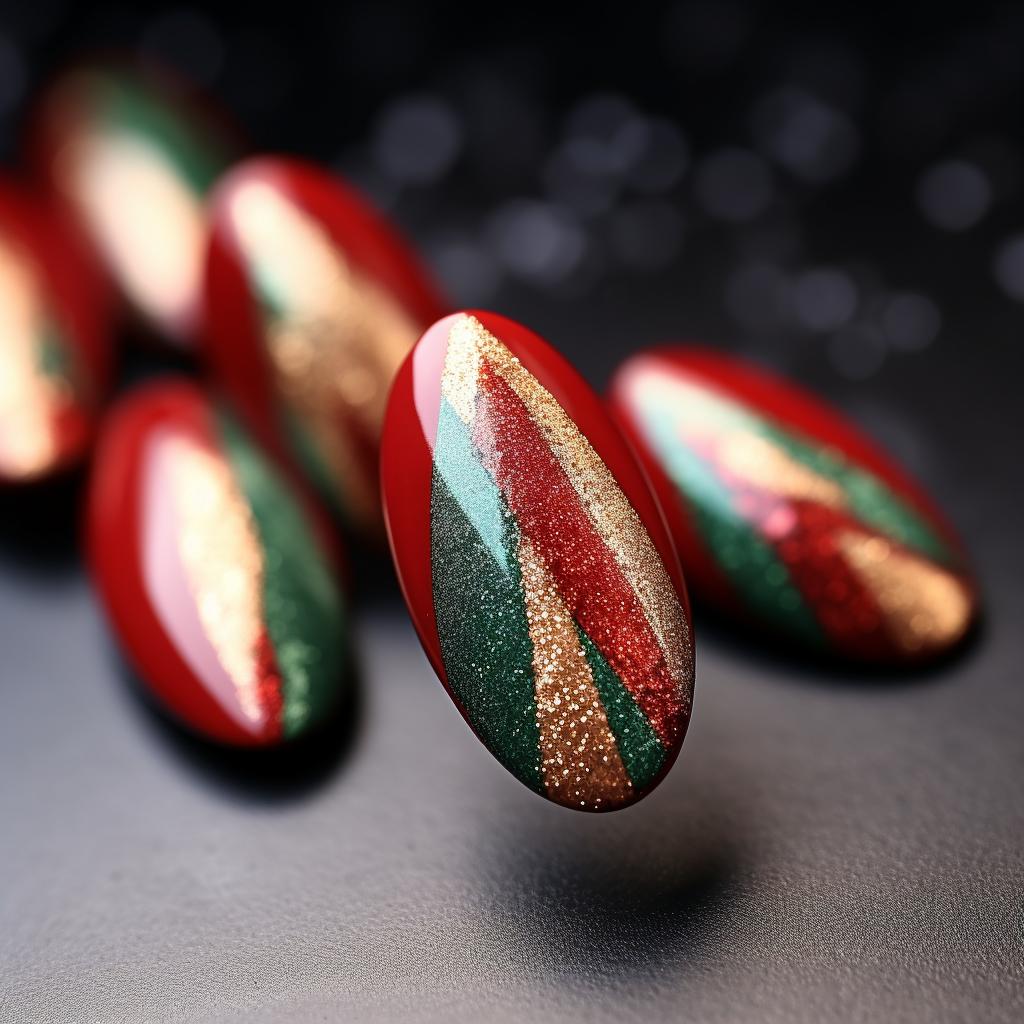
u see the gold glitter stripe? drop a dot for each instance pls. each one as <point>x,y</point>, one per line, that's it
<point>925,607</point>
<point>461,374</point>
<point>753,460</point>
<point>336,339</point>
<point>614,518</point>
<point>29,399</point>
<point>148,222</point>
<point>223,561</point>
<point>579,756</point>
<point>756,462</point>
<point>290,345</point>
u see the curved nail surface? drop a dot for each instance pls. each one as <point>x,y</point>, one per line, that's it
<point>216,577</point>
<point>133,155</point>
<point>535,563</point>
<point>54,344</point>
<point>312,301</point>
<point>786,514</point>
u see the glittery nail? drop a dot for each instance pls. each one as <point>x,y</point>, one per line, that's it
<point>535,564</point>
<point>312,301</point>
<point>216,577</point>
<point>786,515</point>
<point>54,344</point>
<point>132,155</point>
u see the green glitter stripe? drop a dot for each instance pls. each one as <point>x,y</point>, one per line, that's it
<point>273,309</point>
<point>303,446</point>
<point>479,603</point>
<point>871,500</point>
<point>639,747</point>
<point>303,608</point>
<point>135,108</point>
<point>53,358</point>
<point>762,580</point>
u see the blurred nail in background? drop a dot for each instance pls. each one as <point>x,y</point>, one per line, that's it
<point>827,190</point>
<point>835,192</point>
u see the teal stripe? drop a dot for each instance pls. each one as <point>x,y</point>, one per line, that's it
<point>52,355</point>
<point>479,604</point>
<point>870,499</point>
<point>759,576</point>
<point>269,289</point>
<point>478,495</point>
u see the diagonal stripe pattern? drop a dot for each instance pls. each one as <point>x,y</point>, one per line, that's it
<point>812,542</point>
<point>562,636</point>
<point>262,588</point>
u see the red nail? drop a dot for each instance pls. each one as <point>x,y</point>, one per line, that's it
<point>55,346</point>
<point>217,579</point>
<point>535,563</point>
<point>786,514</point>
<point>312,302</point>
<point>131,153</point>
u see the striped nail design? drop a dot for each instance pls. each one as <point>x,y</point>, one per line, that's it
<point>54,349</point>
<point>133,158</point>
<point>786,514</point>
<point>226,603</point>
<point>312,302</point>
<point>554,614</point>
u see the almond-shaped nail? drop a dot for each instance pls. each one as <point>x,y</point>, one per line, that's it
<point>787,515</point>
<point>535,563</point>
<point>217,578</point>
<point>312,301</point>
<point>132,153</point>
<point>54,343</point>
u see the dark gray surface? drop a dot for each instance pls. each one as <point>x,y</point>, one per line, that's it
<point>828,847</point>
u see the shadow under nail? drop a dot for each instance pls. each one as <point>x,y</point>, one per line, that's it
<point>598,893</point>
<point>39,525</point>
<point>781,655</point>
<point>294,771</point>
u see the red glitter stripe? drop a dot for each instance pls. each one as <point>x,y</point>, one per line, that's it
<point>803,534</point>
<point>846,609</point>
<point>270,689</point>
<point>594,588</point>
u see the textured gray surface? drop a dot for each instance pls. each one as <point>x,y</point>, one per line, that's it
<point>827,847</point>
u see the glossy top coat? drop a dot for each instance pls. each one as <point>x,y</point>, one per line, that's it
<point>54,345</point>
<point>216,577</point>
<point>535,563</point>
<point>312,301</point>
<point>133,155</point>
<point>786,514</point>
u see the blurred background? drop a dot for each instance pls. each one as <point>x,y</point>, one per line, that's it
<point>835,191</point>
